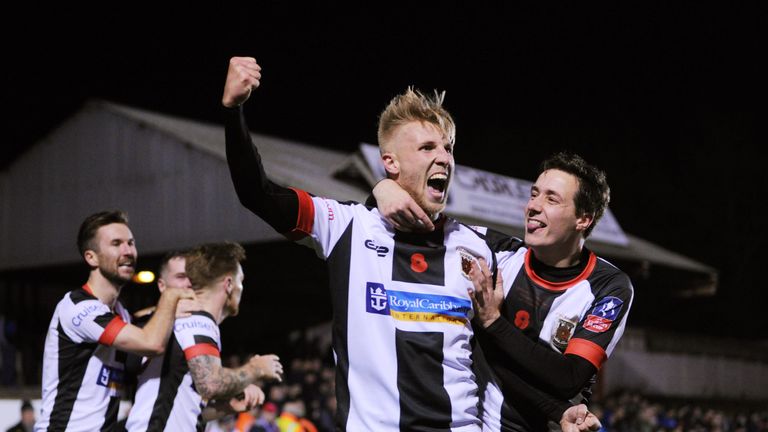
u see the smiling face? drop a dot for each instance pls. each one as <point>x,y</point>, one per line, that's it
<point>552,227</point>
<point>114,254</point>
<point>419,158</point>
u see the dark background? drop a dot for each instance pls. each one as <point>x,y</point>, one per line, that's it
<point>664,97</point>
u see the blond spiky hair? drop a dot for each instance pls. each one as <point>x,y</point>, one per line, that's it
<point>415,106</point>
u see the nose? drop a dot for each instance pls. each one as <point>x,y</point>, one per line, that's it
<point>444,157</point>
<point>127,249</point>
<point>533,206</point>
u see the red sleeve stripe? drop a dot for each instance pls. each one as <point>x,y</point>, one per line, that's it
<point>111,330</point>
<point>201,349</point>
<point>306,217</point>
<point>587,350</point>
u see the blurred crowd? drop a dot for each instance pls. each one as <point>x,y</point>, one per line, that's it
<point>631,412</point>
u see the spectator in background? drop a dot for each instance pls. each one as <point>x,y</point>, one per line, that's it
<point>266,422</point>
<point>292,418</point>
<point>27,422</point>
<point>7,351</point>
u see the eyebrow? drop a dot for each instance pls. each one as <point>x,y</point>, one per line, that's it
<point>546,191</point>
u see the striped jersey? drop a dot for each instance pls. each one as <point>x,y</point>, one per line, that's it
<point>584,315</point>
<point>82,372</point>
<point>166,399</point>
<point>402,337</point>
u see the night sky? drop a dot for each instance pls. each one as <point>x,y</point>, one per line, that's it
<point>664,97</point>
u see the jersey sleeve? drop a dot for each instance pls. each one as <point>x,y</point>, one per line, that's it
<point>603,325</point>
<point>330,220</point>
<point>277,205</point>
<point>561,375</point>
<point>91,321</point>
<point>197,335</point>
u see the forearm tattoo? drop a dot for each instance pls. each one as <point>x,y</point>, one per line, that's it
<point>214,381</point>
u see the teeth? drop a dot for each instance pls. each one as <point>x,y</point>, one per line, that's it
<point>540,223</point>
<point>438,176</point>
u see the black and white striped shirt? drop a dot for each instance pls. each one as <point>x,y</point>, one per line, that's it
<point>82,373</point>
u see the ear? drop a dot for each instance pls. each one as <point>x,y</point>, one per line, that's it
<point>91,258</point>
<point>228,284</point>
<point>391,164</point>
<point>584,221</point>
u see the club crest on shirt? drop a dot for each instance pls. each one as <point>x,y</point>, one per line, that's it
<point>562,333</point>
<point>467,258</point>
<point>376,298</point>
<point>603,314</point>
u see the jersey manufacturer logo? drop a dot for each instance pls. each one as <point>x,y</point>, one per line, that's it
<point>467,260</point>
<point>376,298</point>
<point>562,333</point>
<point>603,314</point>
<point>110,377</point>
<point>78,319</point>
<point>380,250</point>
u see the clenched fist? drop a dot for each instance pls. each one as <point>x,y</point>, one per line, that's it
<point>243,76</point>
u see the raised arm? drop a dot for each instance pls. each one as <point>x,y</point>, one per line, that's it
<point>153,337</point>
<point>277,205</point>
<point>213,381</point>
<point>561,375</point>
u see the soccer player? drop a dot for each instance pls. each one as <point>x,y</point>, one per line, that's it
<point>558,310</point>
<point>173,388</point>
<point>83,361</point>
<point>401,329</point>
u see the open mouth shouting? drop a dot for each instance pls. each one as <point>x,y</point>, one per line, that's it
<point>437,186</point>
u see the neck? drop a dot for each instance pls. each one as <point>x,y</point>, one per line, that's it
<point>104,289</point>
<point>559,255</point>
<point>212,302</point>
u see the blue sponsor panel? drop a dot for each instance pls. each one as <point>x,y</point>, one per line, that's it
<point>408,306</point>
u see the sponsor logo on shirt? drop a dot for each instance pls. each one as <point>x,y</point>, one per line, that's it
<point>110,377</point>
<point>193,324</point>
<point>380,250</point>
<point>87,310</point>
<point>603,314</point>
<point>376,298</point>
<point>406,306</point>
